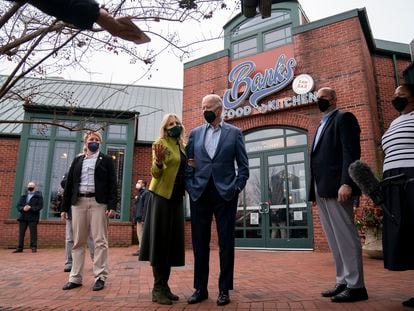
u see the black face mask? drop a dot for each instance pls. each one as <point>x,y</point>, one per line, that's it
<point>210,116</point>
<point>400,103</point>
<point>175,131</point>
<point>30,189</point>
<point>323,104</point>
<point>93,146</point>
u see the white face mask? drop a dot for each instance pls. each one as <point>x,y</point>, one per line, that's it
<point>138,186</point>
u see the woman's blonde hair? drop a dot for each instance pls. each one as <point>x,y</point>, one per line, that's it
<point>85,138</point>
<point>163,129</point>
<point>90,133</point>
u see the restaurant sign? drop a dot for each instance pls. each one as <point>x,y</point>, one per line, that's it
<point>243,98</point>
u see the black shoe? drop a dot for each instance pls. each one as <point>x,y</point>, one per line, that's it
<point>223,298</point>
<point>67,268</point>
<point>351,295</point>
<point>136,253</point>
<point>198,296</point>
<point>339,288</point>
<point>19,250</point>
<point>99,284</point>
<point>34,250</point>
<point>409,303</point>
<point>70,285</point>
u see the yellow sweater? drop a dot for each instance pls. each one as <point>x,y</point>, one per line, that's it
<point>163,179</point>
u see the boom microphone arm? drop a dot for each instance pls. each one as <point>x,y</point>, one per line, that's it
<point>365,179</point>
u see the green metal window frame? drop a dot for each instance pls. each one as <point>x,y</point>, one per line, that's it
<point>291,8</point>
<point>50,114</point>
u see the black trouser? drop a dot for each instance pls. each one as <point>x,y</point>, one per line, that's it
<point>211,203</point>
<point>23,224</point>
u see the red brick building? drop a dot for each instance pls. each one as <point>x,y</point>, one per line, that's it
<point>254,74</point>
<point>262,59</point>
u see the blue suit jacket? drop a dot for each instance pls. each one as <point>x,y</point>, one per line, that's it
<point>221,167</point>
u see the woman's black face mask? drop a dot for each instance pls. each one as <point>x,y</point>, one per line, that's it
<point>400,103</point>
<point>175,131</point>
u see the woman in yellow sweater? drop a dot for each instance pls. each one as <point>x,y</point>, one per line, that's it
<point>163,238</point>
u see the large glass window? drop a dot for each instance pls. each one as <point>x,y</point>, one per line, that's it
<point>257,34</point>
<point>273,139</point>
<point>64,131</point>
<point>118,155</point>
<point>277,38</point>
<point>245,48</point>
<point>258,22</point>
<point>35,163</point>
<point>63,156</point>
<point>40,129</point>
<point>117,131</point>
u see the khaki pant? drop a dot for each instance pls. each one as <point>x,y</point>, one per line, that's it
<point>88,217</point>
<point>140,232</point>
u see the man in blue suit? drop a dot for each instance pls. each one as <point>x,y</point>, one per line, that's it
<point>214,185</point>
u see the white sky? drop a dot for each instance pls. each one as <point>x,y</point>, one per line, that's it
<point>389,20</point>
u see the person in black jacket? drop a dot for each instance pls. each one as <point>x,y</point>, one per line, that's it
<point>91,192</point>
<point>335,147</point>
<point>84,13</point>
<point>29,207</point>
<point>140,210</point>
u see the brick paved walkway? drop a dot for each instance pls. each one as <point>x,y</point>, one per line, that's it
<point>263,281</point>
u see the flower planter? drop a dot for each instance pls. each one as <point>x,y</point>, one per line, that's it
<point>373,243</point>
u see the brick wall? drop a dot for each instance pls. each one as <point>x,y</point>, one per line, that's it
<point>9,149</point>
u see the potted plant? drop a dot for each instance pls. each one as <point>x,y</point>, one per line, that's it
<point>368,220</point>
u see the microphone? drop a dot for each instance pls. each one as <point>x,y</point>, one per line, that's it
<point>365,179</point>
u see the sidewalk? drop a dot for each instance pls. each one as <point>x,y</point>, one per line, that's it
<point>264,280</point>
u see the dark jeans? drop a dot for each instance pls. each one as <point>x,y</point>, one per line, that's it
<point>23,224</point>
<point>202,211</point>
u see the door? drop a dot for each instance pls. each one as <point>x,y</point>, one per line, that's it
<point>273,211</point>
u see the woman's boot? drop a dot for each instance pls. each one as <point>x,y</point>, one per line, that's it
<point>159,292</point>
<point>170,295</point>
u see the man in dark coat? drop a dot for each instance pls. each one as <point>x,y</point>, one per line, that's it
<point>335,147</point>
<point>29,207</point>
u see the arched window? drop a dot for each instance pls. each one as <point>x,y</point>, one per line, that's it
<point>257,35</point>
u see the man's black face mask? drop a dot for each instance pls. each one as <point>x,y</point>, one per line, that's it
<point>210,116</point>
<point>323,104</point>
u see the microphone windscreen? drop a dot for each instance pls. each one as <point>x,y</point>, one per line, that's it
<point>365,179</point>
